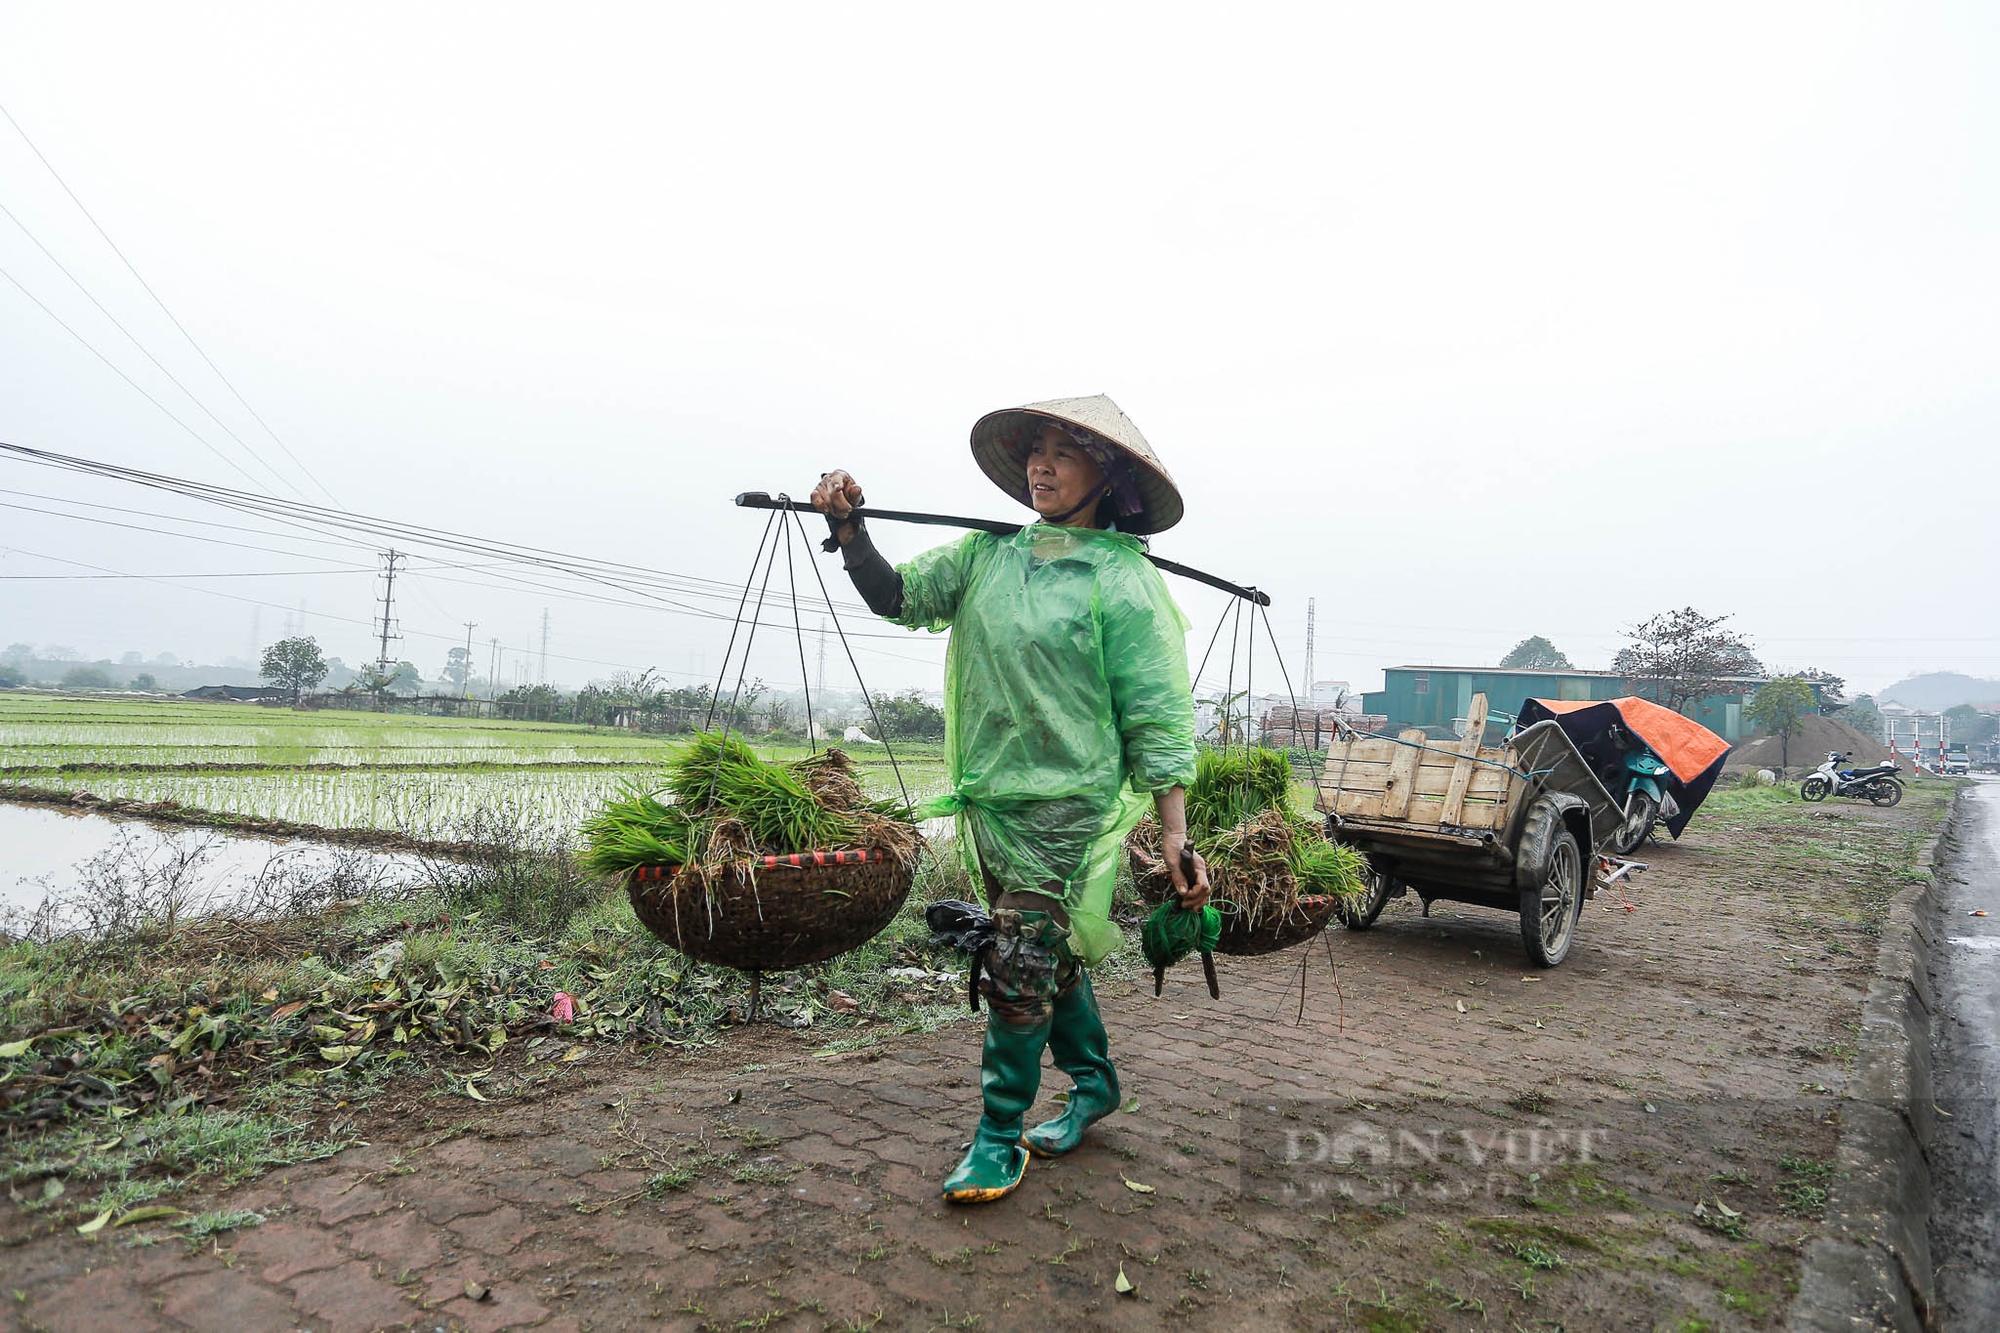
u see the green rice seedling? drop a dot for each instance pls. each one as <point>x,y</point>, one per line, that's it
<point>776,808</point>
<point>1231,786</point>
<point>1325,868</point>
<point>727,802</point>
<point>694,775</point>
<point>1263,856</point>
<point>636,829</point>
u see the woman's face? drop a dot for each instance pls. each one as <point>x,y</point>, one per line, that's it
<point>1061,477</point>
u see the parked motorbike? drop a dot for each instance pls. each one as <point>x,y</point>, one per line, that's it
<point>1643,780</point>
<point>1656,765</point>
<point>1881,784</point>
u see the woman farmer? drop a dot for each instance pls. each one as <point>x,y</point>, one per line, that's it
<point>1067,711</point>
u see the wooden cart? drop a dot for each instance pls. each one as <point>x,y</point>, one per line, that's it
<point>1515,827</point>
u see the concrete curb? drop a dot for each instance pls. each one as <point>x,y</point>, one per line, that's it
<point>1875,1272</point>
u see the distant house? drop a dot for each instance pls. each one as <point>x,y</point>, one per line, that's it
<point>1914,732</point>
<point>1438,696</point>
<point>242,694</point>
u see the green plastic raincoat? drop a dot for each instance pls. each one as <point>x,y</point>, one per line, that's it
<point>1067,705</point>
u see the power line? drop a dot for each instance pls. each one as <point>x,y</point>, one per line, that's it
<point>512,582</point>
<point>134,340</point>
<point>343,620</point>
<point>322,519</point>
<point>232,574</point>
<point>133,270</point>
<point>162,532</point>
<point>202,439</point>
<point>632,580</point>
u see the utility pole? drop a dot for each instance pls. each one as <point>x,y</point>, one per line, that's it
<point>389,559</point>
<point>822,657</point>
<point>256,612</point>
<point>1311,615</point>
<point>493,671</point>
<point>465,680</point>
<point>545,648</point>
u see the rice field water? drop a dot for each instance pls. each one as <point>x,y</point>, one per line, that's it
<point>424,776</point>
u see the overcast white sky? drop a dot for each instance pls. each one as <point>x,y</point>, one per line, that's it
<point>1472,322</point>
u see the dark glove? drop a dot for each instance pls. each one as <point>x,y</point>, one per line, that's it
<point>965,926</point>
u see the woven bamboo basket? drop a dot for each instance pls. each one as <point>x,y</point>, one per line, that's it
<point>1241,936</point>
<point>771,913</point>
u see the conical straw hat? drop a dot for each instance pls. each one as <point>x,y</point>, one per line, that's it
<point>1000,439</point>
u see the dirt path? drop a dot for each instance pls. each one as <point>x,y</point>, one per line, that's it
<point>1474,1146</point>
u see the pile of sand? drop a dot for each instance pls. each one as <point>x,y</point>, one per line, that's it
<point>1809,744</point>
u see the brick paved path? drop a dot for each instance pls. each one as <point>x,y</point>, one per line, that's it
<point>827,1216</point>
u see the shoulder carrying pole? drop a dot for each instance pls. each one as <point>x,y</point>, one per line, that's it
<point>763,500</point>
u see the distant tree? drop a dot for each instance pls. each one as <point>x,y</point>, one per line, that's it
<point>535,703</point>
<point>144,681</point>
<point>9,677</point>
<point>294,665</point>
<point>1969,726</point>
<point>1831,687</point>
<point>58,652</point>
<point>403,678</point>
<point>86,678</point>
<point>909,716</point>
<point>682,709</point>
<point>1535,654</point>
<point>1747,662</point>
<point>1781,708</point>
<point>736,715</point>
<point>1681,657</point>
<point>457,673</point>
<point>778,714</point>
<point>1864,717</point>
<point>17,654</point>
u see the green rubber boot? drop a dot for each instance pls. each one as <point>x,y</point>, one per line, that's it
<point>1082,1050</point>
<point>1010,1070</point>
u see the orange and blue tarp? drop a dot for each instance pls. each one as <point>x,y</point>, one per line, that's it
<point>1692,753</point>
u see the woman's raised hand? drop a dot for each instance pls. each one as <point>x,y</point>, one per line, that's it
<point>837,494</point>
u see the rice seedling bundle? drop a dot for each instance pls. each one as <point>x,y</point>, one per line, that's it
<point>726,805</point>
<point>1263,856</point>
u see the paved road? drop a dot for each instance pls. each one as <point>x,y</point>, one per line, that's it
<point>764,1183</point>
<point>1965,1238</point>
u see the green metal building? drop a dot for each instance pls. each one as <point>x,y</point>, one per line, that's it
<point>1437,696</point>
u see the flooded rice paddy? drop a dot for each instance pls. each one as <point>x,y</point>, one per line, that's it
<point>428,778</point>
<point>47,852</point>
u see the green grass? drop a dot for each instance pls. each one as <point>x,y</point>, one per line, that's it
<point>199,1048</point>
<point>135,1161</point>
<point>1749,800</point>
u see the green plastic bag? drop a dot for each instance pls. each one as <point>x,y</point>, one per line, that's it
<point>1172,932</point>
<point>1067,706</point>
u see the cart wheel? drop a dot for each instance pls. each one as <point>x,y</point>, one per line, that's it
<point>1360,913</point>
<point>1549,910</point>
